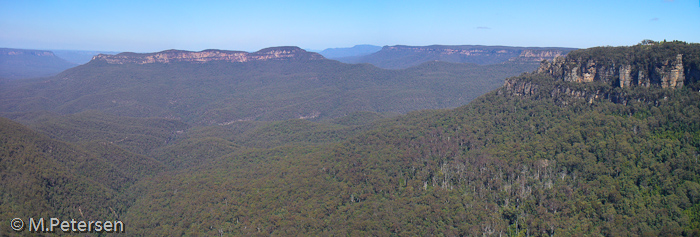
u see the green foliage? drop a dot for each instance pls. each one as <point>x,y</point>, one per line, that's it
<point>138,135</point>
<point>41,177</point>
<point>294,132</point>
<point>193,152</point>
<point>222,92</point>
<point>358,118</point>
<point>538,157</point>
<point>502,165</point>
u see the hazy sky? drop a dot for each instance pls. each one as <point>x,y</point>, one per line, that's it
<point>148,26</point>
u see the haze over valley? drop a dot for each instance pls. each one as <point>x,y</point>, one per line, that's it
<point>406,119</point>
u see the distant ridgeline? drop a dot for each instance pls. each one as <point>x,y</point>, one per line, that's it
<point>25,63</point>
<point>170,56</point>
<point>602,142</point>
<point>608,70</point>
<point>279,83</point>
<point>401,56</point>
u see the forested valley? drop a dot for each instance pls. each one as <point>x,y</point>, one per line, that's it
<point>553,152</point>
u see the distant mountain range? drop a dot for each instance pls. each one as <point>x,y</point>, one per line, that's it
<point>400,56</point>
<point>172,56</point>
<point>25,63</point>
<point>601,142</point>
<point>30,64</point>
<point>355,51</point>
<point>215,86</point>
<point>79,56</point>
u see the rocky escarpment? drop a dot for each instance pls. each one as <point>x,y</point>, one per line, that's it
<point>612,74</point>
<point>171,56</point>
<point>643,65</point>
<point>537,55</point>
<point>668,73</point>
<point>563,93</point>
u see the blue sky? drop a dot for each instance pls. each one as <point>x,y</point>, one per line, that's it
<point>148,26</point>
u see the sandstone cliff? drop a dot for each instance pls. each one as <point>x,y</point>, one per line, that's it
<point>526,86</point>
<point>537,55</point>
<point>171,56</point>
<point>642,65</point>
<point>612,74</point>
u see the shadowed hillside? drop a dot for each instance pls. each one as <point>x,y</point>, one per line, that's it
<point>23,63</point>
<point>212,87</point>
<point>542,155</point>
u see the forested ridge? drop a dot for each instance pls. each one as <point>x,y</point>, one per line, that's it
<point>502,165</point>
<point>222,92</point>
<point>538,157</point>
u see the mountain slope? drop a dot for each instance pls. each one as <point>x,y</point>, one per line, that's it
<point>137,135</point>
<point>542,155</point>
<point>212,87</point>
<point>42,177</point>
<point>509,163</point>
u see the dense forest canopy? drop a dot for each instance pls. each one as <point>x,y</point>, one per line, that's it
<point>539,156</point>
<point>221,92</point>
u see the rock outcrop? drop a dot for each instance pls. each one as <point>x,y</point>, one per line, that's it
<point>537,55</point>
<point>671,73</point>
<point>171,56</point>
<point>564,94</point>
<point>665,72</point>
<point>519,87</point>
<point>599,73</point>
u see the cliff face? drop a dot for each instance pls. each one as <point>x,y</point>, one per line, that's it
<point>661,66</point>
<point>537,55</point>
<point>170,56</point>
<point>519,87</point>
<point>667,71</point>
